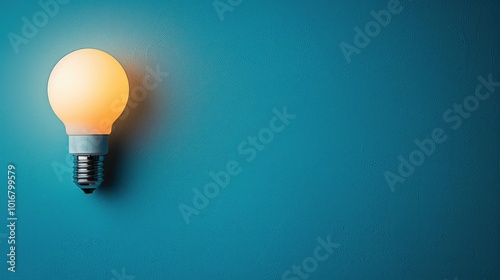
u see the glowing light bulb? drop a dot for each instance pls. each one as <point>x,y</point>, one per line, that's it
<point>88,90</point>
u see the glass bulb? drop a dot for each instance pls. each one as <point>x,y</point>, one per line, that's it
<point>88,90</point>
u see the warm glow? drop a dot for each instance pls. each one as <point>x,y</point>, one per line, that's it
<point>88,90</point>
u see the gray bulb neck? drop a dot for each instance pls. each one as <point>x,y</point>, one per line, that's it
<point>88,152</point>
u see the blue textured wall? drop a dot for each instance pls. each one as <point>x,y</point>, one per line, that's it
<point>330,174</point>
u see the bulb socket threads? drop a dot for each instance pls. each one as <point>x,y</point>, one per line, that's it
<point>89,172</point>
<point>88,151</point>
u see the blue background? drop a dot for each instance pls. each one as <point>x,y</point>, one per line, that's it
<point>321,176</point>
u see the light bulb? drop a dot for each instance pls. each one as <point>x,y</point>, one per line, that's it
<point>88,90</point>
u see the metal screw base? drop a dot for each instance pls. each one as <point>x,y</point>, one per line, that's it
<point>89,171</point>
